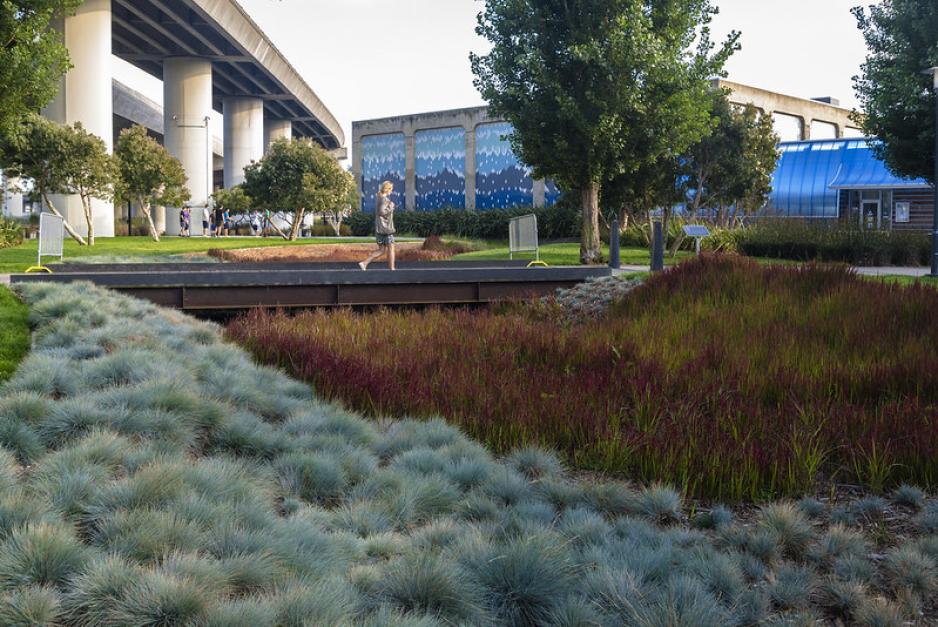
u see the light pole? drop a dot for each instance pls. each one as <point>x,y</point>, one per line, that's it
<point>934,235</point>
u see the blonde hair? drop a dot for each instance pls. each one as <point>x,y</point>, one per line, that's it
<point>386,187</point>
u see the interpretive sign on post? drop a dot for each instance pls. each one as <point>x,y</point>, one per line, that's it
<point>698,232</point>
<point>51,240</point>
<point>522,237</point>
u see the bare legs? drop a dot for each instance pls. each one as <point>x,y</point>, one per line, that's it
<point>382,250</point>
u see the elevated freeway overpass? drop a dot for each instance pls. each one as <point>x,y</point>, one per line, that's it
<point>211,56</point>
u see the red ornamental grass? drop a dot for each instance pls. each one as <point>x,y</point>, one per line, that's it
<point>729,379</point>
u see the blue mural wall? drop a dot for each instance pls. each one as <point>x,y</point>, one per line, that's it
<point>383,159</point>
<point>440,168</point>
<point>551,193</point>
<point>501,181</point>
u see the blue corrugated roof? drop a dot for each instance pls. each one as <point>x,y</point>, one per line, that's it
<point>860,169</point>
<point>809,174</point>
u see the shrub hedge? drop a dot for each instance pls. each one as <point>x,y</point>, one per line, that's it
<point>803,241</point>
<point>555,222</point>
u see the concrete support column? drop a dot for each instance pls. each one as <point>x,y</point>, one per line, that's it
<point>85,95</point>
<point>410,167</point>
<point>276,129</point>
<point>806,128</point>
<point>540,192</point>
<point>470,166</point>
<point>187,110</point>
<point>12,197</point>
<point>244,136</point>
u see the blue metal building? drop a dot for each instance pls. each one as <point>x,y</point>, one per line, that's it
<point>841,179</point>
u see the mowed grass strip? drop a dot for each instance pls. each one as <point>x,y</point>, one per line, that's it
<point>14,332</point>
<point>18,258</point>
<point>725,377</point>
<point>566,254</point>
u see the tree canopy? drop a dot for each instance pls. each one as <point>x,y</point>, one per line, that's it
<point>90,171</point>
<point>32,57</point>
<point>234,199</point>
<point>43,151</point>
<point>733,165</point>
<point>297,176</point>
<point>149,175</point>
<point>897,99</point>
<point>597,89</point>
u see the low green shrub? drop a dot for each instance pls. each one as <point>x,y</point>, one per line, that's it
<point>801,240</point>
<point>324,230</point>
<point>11,232</point>
<point>555,222</point>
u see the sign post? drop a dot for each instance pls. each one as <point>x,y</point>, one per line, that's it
<point>698,232</point>
<point>51,240</point>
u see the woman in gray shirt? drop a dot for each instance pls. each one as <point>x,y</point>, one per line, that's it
<point>384,226</point>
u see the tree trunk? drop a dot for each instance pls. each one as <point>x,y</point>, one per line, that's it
<point>89,218</point>
<point>68,227</point>
<point>297,222</point>
<point>590,244</point>
<point>145,207</point>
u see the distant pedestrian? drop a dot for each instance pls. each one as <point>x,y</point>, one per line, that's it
<point>206,218</point>
<point>226,221</point>
<point>267,222</point>
<point>384,226</point>
<point>255,222</point>
<point>185,219</point>
<point>219,220</point>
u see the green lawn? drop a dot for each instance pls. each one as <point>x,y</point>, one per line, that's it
<point>568,254</point>
<point>14,332</point>
<point>21,257</point>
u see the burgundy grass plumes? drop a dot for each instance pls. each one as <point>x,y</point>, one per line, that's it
<point>726,378</point>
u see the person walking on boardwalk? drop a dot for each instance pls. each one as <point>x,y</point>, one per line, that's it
<point>384,226</point>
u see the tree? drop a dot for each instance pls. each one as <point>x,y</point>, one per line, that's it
<point>40,149</point>
<point>733,165</point>
<point>332,191</point>
<point>149,175</point>
<point>296,176</point>
<point>32,56</point>
<point>234,199</point>
<point>897,99</point>
<point>90,172</point>
<point>596,89</point>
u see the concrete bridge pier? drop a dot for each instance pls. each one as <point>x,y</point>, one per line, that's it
<point>85,95</point>
<point>244,136</point>
<point>187,110</point>
<point>276,129</point>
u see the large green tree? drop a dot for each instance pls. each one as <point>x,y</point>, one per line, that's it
<point>149,175</point>
<point>897,99</point>
<point>90,172</point>
<point>596,89</point>
<point>734,163</point>
<point>32,56</point>
<point>295,177</point>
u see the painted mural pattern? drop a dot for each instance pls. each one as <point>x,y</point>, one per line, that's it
<point>501,180</point>
<point>551,193</point>
<point>383,159</point>
<point>440,168</point>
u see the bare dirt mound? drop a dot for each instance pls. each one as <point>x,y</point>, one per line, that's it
<point>432,249</point>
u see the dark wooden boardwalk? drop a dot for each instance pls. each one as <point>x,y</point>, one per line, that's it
<point>236,286</point>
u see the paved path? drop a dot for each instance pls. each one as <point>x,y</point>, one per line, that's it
<point>893,270</point>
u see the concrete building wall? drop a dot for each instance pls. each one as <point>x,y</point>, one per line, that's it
<point>442,159</point>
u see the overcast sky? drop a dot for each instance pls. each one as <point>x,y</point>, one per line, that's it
<point>377,58</point>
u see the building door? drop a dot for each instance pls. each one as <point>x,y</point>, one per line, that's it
<point>870,218</point>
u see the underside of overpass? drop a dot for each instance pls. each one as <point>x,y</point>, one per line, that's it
<point>211,57</point>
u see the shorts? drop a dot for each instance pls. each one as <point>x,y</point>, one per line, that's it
<point>204,225</point>
<point>384,239</point>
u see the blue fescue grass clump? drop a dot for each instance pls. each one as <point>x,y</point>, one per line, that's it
<point>151,474</point>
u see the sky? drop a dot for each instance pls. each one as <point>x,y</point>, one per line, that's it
<point>377,58</point>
